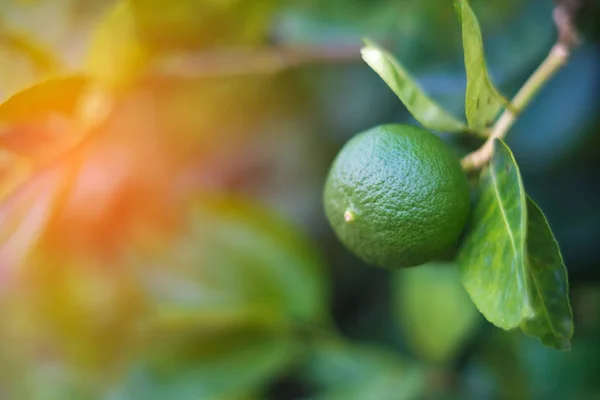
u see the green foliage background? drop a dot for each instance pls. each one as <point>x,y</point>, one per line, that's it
<point>179,249</point>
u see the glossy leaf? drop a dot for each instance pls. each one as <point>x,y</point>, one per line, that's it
<point>345,370</point>
<point>433,310</point>
<point>553,320</point>
<point>423,109</point>
<point>492,259</point>
<point>483,101</point>
<point>116,53</point>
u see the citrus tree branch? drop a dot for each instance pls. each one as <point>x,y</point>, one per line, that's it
<point>556,59</point>
<point>232,62</point>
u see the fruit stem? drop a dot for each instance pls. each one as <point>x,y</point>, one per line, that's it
<point>556,59</point>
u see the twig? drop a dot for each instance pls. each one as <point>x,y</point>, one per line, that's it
<point>251,61</point>
<point>556,59</point>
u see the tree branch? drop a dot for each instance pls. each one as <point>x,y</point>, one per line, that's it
<point>556,59</point>
<point>244,61</point>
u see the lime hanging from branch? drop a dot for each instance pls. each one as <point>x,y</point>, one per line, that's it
<point>396,196</point>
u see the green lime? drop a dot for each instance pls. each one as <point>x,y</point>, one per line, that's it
<point>396,196</point>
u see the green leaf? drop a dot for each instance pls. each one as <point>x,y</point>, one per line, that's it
<point>234,265</point>
<point>492,258</point>
<point>229,367</point>
<point>345,370</point>
<point>553,320</point>
<point>483,101</point>
<point>434,311</point>
<point>423,109</point>
<point>116,54</point>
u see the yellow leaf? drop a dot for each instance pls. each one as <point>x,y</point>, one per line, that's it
<point>116,54</point>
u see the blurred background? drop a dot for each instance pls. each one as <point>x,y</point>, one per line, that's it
<point>162,233</point>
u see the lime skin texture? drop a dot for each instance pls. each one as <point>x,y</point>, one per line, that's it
<point>396,196</point>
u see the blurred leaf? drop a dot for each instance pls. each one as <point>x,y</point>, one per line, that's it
<point>62,27</point>
<point>562,374</point>
<point>69,318</point>
<point>191,24</point>
<point>492,258</point>
<point>499,355</point>
<point>41,58</point>
<point>422,33</point>
<point>44,379</point>
<point>24,216</point>
<point>553,320</point>
<point>483,102</point>
<point>234,265</point>
<point>356,371</point>
<point>458,10</point>
<point>83,311</point>
<point>225,368</point>
<point>116,54</point>
<point>423,109</point>
<point>18,71</point>
<point>434,310</point>
<point>38,122</point>
<point>59,95</point>
<point>227,293</point>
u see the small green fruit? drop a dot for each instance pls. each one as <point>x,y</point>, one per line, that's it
<point>396,196</point>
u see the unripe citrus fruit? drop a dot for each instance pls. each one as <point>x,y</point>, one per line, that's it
<point>396,196</point>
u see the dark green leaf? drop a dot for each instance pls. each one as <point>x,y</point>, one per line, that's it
<point>553,320</point>
<point>434,310</point>
<point>423,109</point>
<point>492,259</point>
<point>483,102</point>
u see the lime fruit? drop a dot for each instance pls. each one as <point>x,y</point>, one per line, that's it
<point>396,196</point>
